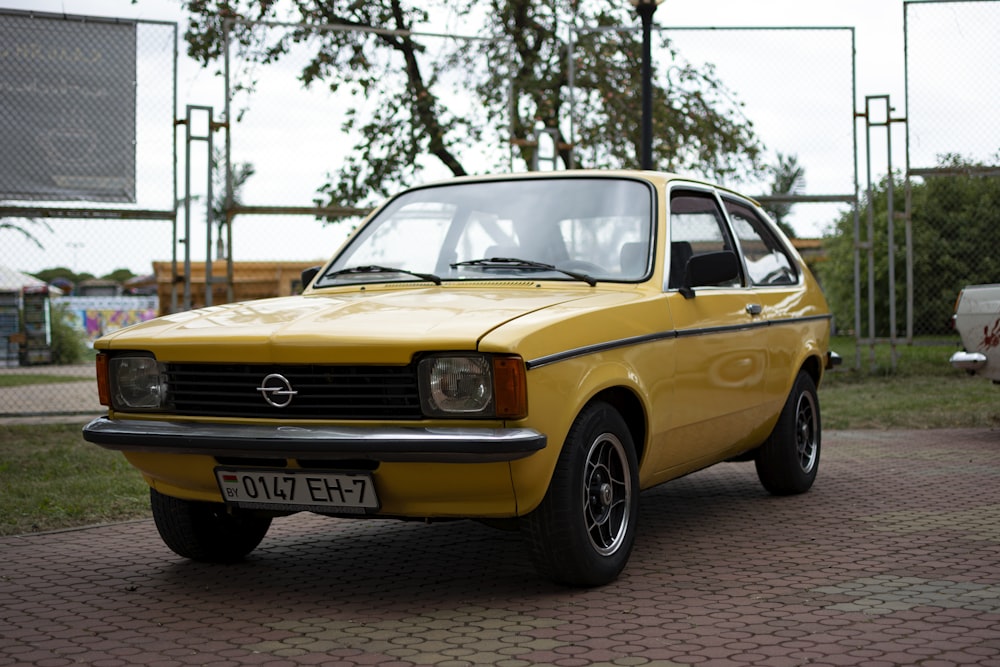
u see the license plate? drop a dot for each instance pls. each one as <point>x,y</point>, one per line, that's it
<point>298,490</point>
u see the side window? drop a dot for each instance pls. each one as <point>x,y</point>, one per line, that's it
<point>767,261</point>
<point>697,226</point>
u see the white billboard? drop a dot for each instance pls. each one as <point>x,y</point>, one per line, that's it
<point>67,108</point>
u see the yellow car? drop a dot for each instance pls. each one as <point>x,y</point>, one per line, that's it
<point>529,349</point>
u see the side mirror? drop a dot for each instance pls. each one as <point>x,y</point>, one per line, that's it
<point>308,275</point>
<point>710,268</point>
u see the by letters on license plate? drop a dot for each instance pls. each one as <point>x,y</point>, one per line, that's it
<point>297,490</point>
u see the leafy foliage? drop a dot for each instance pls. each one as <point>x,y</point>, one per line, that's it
<point>61,272</point>
<point>956,233</point>
<point>23,228</point>
<point>69,345</point>
<point>120,275</point>
<point>789,179</point>
<point>65,274</point>
<point>517,65</point>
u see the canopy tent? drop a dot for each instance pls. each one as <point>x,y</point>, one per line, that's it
<point>14,281</point>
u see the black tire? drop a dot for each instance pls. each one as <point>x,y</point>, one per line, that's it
<point>206,531</point>
<point>788,461</point>
<point>583,531</point>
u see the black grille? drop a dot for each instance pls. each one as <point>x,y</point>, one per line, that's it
<point>322,392</point>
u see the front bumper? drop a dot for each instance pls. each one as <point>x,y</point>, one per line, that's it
<point>332,443</point>
<point>968,361</point>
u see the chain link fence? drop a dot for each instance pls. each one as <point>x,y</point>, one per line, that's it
<point>800,107</point>
<point>952,87</point>
<point>87,121</point>
<point>952,188</point>
<point>270,106</point>
<point>88,114</point>
<point>929,227</point>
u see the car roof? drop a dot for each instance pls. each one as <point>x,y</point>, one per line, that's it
<point>657,178</point>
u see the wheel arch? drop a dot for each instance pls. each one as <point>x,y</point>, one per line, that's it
<point>812,365</point>
<point>628,405</point>
<point>558,396</point>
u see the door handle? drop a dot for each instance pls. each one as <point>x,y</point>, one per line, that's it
<point>754,309</point>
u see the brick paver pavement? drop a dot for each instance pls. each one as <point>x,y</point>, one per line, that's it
<point>892,559</point>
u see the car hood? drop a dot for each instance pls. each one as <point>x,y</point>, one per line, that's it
<point>362,326</point>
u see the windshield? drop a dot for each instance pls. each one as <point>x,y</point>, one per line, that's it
<point>548,228</point>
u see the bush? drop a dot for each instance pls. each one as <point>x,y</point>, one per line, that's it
<point>69,344</point>
<point>955,230</point>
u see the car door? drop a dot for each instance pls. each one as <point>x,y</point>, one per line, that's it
<point>720,347</point>
<point>776,280</point>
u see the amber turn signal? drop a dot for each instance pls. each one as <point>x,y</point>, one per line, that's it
<point>103,388</point>
<point>510,387</point>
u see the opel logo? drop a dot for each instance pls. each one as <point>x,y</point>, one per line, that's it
<point>277,390</point>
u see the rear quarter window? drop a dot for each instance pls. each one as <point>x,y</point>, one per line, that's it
<point>767,260</point>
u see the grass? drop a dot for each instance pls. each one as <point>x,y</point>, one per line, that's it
<point>51,478</point>
<point>922,391</point>
<point>16,380</point>
<point>915,402</point>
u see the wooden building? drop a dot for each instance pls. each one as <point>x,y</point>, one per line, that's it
<point>251,280</point>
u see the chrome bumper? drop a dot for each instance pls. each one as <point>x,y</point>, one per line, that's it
<point>968,361</point>
<point>437,445</point>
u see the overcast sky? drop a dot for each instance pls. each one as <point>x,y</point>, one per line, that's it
<point>878,33</point>
<point>878,23</point>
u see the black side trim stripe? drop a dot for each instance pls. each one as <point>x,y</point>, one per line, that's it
<point>807,318</point>
<point>662,335</point>
<point>705,331</point>
<point>598,347</point>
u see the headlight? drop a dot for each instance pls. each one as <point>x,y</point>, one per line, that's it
<point>136,383</point>
<point>472,385</point>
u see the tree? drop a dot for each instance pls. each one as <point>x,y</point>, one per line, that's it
<point>241,173</point>
<point>699,128</point>
<point>956,231</point>
<point>789,179</point>
<point>61,272</point>
<point>119,275</point>
<point>524,84</point>
<point>8,224</point>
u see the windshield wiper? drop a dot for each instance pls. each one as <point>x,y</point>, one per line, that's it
<point>374,268</point>
<point>515,262</point>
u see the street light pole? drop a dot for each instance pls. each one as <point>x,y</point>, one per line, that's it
<point>645,9</point>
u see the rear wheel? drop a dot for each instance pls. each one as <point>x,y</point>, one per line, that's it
<point>205,531</point>
<point>584,529</point>
<point>788,461</point>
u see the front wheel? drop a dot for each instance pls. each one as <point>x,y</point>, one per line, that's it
<point>205,531</point>
<point>788,461</point>
<point>584,529</point>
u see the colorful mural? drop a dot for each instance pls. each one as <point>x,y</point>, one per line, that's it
<point>96,316</point>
